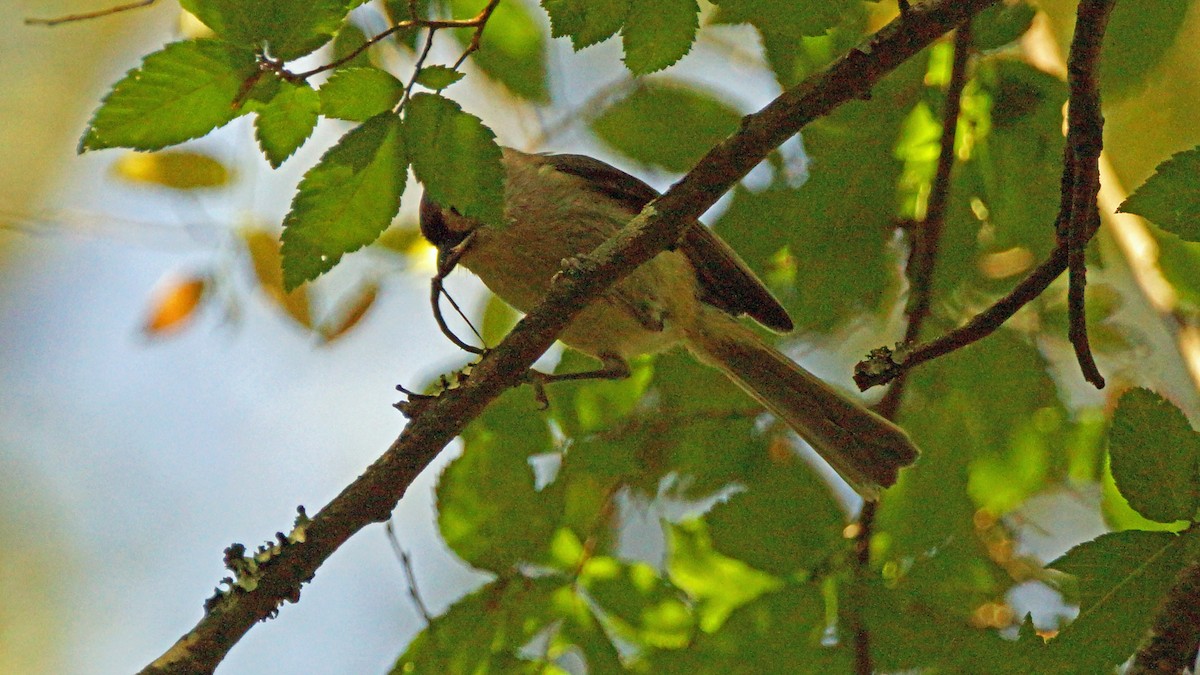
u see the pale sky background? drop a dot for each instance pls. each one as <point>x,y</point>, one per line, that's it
<point>128,464</point>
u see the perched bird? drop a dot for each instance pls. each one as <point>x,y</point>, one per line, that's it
<point>562,206</point>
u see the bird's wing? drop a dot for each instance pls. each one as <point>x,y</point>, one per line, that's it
<point>727,282</point>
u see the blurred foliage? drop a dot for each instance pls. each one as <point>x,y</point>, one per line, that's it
<point>756,571</point>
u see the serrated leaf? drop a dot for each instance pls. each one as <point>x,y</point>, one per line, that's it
<point>181,92</point>
<point>586,22</point>
<point>346,200</point>
<point>176,169</point>
<point>358,94</point>
<point>284,123</point>
<point>489,510</point>
<point>716,583</point>
<point>1155,457</point>
<point>1001,24</point>
<point>1122,578</point>
<point>438,77</point>
<point>1171,197</point>
<point>762,527</point>
<point>786,16</point>
<point>512,50</point>
<point>1135,42</point>
<point>666,124</point>
<point>658,33</point>
<point>779,632</point>
<point>288,29</point>
<point>485,631</point>
<point>638,604</point>
<point>456,157</point>
<point>347,41</point>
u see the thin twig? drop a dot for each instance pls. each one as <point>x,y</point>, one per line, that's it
<point>923,259</point>
<point>406,563</point>
<point>480,22</point>
<point>373,495</point>
<point>921,265</point>
<point>477,22</point>
<point>86,16</point>
<point>1085,140</point>
<point>881,368</point>
<point>1076,223</point>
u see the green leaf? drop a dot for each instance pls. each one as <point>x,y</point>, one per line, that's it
<point>586,22</point>
<point>358,94</point>
<point>456,157</point>
<point>666,124</point>
<point>786,16</point>
<point>181,92</point>
<point>780,632</point>
<point>1122,578</point>
<point>588,406</point>
<point>287,121</point>
<point>928,637</point>
<point>1135,42</point>
<point>1171,197</point>
<point>348,40</point>
<point>793,58</point>
<point>763,527</point>
<point>1018,163</point>
<point>658,33</point>
<point>1155,457</point>
<point>513,48</point>
<point>1001,24</point>
<point>489,510</point>
<point>288,29</point>
<point>717,584</point>
<point>438,77</point>
<point>346,200</point>
<point>638,604</point>
<point>487,630</point>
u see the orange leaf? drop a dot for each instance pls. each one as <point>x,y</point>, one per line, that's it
<point>352,311</point>
<point>263,247</point>
<point>174,304</point>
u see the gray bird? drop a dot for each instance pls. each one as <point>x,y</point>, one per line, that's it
<point>561,206</point>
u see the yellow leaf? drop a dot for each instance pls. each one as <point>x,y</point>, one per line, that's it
<point>351,312</point>
<point>263,248</point>
<point>176,169</point>
<point>174,303</point>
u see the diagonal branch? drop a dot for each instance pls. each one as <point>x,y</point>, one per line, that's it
<point>371,497</point>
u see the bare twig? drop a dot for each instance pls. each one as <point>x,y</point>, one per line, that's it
<point>86,16</point>
<point>1082,157</point>
<point>881,368</point>
<point>923,259</point>
<point>1174,638</point>
<point>373,495</point>
<point>410,576</point>
<point>478,22</point>
<point>921,264</point>
<point>1077,221</point>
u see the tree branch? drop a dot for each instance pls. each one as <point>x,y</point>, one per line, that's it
<point>1077,222</point>
<point>373,495</point>
<point>926,239</point>
<point>1085,139</point>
